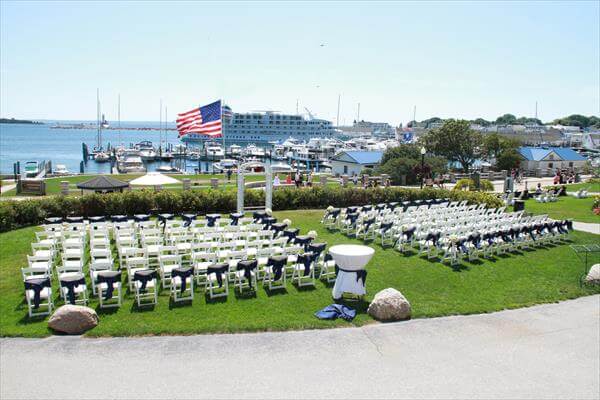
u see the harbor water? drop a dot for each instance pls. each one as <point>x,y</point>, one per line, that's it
<point>29,142</point>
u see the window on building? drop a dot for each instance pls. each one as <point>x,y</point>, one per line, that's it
<point>345,169</point>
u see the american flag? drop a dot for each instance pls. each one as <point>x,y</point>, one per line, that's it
<point>205,120</point>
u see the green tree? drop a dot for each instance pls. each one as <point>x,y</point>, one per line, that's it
<point>508,159</point>
<point>481,122</point>
<point>405,160</point>
<point>456,141</point>
<point>506,119</point>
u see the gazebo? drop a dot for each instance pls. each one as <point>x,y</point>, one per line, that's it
<point>155,179</point>
<point>103,184</point>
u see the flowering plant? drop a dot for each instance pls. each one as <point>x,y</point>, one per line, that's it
<point>312,234</point>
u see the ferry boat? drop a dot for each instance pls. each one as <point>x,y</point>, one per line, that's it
<point>31,169</point>
<point>267,126</point>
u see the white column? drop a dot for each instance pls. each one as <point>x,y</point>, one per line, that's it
<point>268,187</point>
<point>240,190</point>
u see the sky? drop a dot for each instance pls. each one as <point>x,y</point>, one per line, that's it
<point>447,59</point>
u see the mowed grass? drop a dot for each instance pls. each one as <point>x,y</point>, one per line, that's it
<point>566,207</point>
<point>546,274</point>
<point>197,180</point>
<point>593,187</point>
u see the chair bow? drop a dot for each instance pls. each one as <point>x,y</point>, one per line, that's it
<point>37,285</point>
<point>183,273</point>
<point>277,263</point>
<point>71,282</point>
<point>144,276</point>
<point>110,278</point>
<point>248,266</point>
<point>218,269</point>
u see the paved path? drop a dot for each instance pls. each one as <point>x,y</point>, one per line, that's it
<point>587,227</point>
<point>7,187</point>
<point>548,351</point>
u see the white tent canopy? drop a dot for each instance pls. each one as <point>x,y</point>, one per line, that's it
<point>153,179</point>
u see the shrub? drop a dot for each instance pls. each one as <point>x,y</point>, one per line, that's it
<point>466,183</point>
<point>14,214</point>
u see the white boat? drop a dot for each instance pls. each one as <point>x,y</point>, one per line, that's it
<point>225,164</point>
<point>235,150</point>
<point>281,167</point>
<point>101,157</point>
<point>147,151</point>
<point>61,169</point>
<point>167,168</point>
<point>179,151</point>
<point>131,164</point>
<point>31,169</point>
<point>214,151</point>
<point>254,151</point>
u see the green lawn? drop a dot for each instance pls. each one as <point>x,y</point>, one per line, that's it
<point>543,275</point>
<point>590,186</point>
<point>566,207</point>
<point>198,180</point>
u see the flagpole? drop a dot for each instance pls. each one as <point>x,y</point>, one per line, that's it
<point>222,129</point>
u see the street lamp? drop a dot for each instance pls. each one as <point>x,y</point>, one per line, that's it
<point>423,151</point>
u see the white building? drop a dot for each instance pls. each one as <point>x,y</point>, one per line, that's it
<point>351,162</point>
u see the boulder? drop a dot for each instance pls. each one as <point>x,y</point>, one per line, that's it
<point>389,305</point>
<point>73,320</point>
<point>593,276</point>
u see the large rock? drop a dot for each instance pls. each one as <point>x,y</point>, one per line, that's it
<point>73,320</point>
<point>389,305</point>
<point>593,276</point>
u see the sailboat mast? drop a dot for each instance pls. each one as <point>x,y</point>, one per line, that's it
<point>98,140</point>
<point>337,120</point>
<point>119,117</point>
<point>160,125</point>
<point>166,127</point>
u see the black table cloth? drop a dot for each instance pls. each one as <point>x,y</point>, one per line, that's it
<point>71,282</point>
<point>219,269</point>
<point>144,276</point>
<point>235,218</point>
<point>277,263</point>
<point>247,266</point>
<point>37,285</point>
<point>110,278</point>
<point>183,273</point>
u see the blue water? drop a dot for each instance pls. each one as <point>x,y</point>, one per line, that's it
<point>21,142</point>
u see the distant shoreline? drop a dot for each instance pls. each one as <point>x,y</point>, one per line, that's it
<point>19,121</point>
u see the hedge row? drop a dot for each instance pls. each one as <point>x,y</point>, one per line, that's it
<point>15,214</point>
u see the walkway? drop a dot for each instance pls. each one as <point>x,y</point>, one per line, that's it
<point>548,351</point>
<point>587,227</point>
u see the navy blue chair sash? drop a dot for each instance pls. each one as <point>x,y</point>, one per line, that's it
<point>278,227</point>
<point>98,218</point>
<point>306,259</point>
<point>385,226</point>
<point>304,241</point>
<point>71,282</point>
<point>317,248</point>
<point>75,220</point>
<point>144,276</point>
<point>235,218</point>
<point>212,219</point>
<point>37,285</point>
<point>247,266</point>
<point>219,270</point>
<point>183,273</point>
<point>351,210</point>
<point>291,234</point>
<point>53,220</point>
<point>110,278</point>
<point>188,218</point>
<point>141,217</point>
<point>118,218</point>
<point>268,221</point>
<point>258,216</point>
<point>277,263</point>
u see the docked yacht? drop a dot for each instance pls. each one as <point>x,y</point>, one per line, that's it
<point>61,170</point>
<point>147,151</point>
<point>101,156</point>
<point>254,151</point>
<point>214,151</point>
<point>235,150</point>
<point>130,161</point>
<point>225,164</point>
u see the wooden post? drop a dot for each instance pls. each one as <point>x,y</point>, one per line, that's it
<point>64,187</point>
<point>187,183</point>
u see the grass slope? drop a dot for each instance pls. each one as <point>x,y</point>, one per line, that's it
<point>538,276</point>
<point>566,207</point>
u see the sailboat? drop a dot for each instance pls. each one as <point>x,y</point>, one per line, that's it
<point>99,154</point>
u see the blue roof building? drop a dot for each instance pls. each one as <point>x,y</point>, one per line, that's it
<point>545,160</point>
<point>351,162</point>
